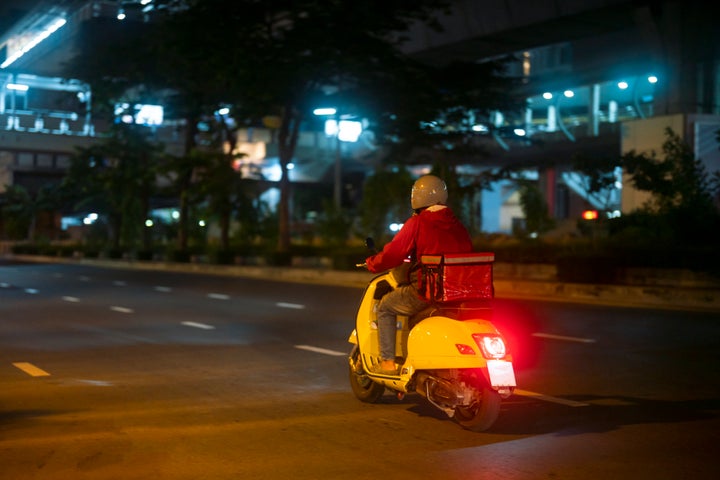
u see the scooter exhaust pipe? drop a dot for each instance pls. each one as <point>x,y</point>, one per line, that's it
<point>440,392</point>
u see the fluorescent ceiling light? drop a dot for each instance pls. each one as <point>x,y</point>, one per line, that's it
<point>18,87</point>
<point>34,41</point>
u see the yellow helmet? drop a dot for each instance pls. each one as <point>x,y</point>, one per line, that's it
<point>428,190</point>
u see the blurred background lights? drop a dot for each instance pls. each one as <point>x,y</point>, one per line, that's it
<point>90,218</point>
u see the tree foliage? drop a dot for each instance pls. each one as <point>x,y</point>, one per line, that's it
<point>280,59</point>
<point>116,178</point>
<point>682,192</point>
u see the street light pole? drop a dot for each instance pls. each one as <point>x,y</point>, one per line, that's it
<point>338,167</point>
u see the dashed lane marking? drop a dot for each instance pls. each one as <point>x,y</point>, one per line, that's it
<point>119,283</point>
<point>219,296</point>
<point>202,326</point>
<point>163,289</point>
<point>32,291</point>
<point>31,369</point>
<point>563,338</point>
<point>295,306</point>
<point>71,299</point>
<point>4,285</point>
<point>121,309</point>
<point>324,351</point>
<point>548,398</point>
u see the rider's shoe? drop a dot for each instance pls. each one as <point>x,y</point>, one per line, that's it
<point>385,368</point>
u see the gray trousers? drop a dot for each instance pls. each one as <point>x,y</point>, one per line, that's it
<point>404,300</point>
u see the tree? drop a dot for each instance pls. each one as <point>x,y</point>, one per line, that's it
<point>682,190</point>
<point>386,199</point>
<point>535,209</point>
<point>280,59</point>
<point>22,207</point>
<point>116,178</point>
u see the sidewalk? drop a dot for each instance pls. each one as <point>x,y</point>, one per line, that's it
<point>510,283</point>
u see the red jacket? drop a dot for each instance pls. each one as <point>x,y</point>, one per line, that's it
<point>435,230</point>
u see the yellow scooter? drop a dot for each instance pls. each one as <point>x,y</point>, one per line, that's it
<point>451,354</point>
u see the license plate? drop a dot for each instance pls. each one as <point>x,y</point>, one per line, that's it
<point>501,373</point>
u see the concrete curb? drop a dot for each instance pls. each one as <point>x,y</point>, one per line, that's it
<point>641,296</point>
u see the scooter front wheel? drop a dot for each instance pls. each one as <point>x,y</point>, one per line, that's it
<point>480,416</point>
<point>362,386</point>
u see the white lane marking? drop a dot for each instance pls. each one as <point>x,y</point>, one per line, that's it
<point>295,306</point>
<point>163,289</point>
<point>203,326</point>
<point>95,383</point>
<point>548,398</point>
<point>31,291</point>
<point>71,299</point>
<point>324,351</point>
<point>31,369</point>
<point>121,309</point>
<point>57,275</point>
<point>219,296</point>
<point>4,285</point>
<point>119,283</point>
<point>84,278</point>
<point>564,338</point>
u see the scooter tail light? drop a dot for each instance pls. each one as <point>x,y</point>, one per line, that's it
<point>491,346</point>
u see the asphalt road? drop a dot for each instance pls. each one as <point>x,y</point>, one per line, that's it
<point>127,374</point>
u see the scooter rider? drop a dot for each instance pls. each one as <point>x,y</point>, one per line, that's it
<point>433,229</point>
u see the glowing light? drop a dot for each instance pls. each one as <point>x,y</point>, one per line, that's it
<point>652,79</point>
<point>201,223</point>
<point>622,85</point>
<point>34,42</point>
<point>520,132</point>
<point>121,14</point>
<point>348,131</point>
<point>17,87</point>
<point>395,227</point>
<point>90,219</point>
<point>479,128</point>
<point>569,93</point>
<point>590,215</point>
<point>325,111</point>
<point>547,96</point>
<point>149,223</point>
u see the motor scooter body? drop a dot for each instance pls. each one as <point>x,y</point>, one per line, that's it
<point>451,354</point>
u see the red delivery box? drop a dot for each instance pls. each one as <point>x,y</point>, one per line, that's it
<point>457,277</point>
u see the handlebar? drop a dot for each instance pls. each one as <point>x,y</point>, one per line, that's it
<point>361,265</point>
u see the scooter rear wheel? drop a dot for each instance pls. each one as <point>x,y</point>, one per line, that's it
<point>364,389</point>
<point>480,417</point>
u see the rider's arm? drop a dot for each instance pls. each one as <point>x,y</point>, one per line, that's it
<point>400,248</point>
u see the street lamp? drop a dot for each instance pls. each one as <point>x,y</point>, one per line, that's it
<point>337,192</point>
<point>342,130</point>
